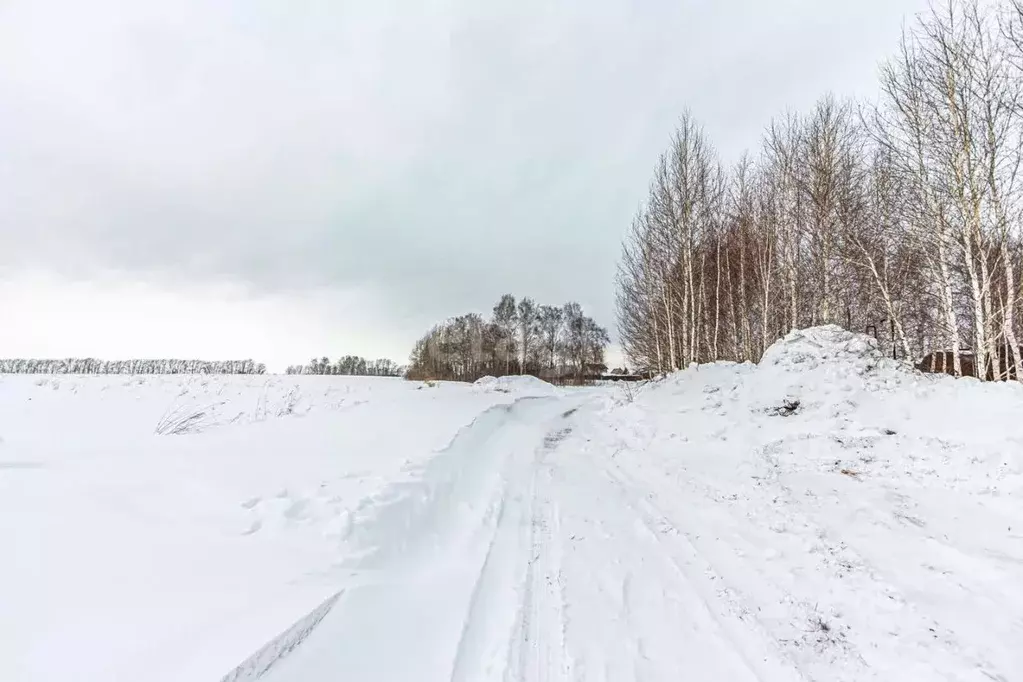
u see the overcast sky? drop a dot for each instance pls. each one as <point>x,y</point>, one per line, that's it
<point>288,178</point>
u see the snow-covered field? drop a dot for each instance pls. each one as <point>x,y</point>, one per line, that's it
<point>828,515</point>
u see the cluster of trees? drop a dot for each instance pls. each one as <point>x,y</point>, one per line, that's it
<point>553,342</point>
<point>94,366</point>
<point>349,365</point>
<point>903,215</point>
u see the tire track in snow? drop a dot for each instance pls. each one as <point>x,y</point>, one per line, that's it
<point>414,522</point>
<point>723,607</point>
<point>437,577</point>
<point>508,633</point>
<point>634,614</point>
<point>490,626</point>
<point>837,582</point>
<point>539,652</point>
<point>478,652</point>
<point>728,607</point>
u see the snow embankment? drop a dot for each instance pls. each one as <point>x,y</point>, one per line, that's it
<point>519,386</point>
<point>131,555</point>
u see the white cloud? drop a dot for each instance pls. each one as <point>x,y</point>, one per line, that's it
<point>436,154</point>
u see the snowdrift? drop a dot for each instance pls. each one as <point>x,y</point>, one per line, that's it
<point>518,385</point>
<point>831,385</point>
<point>139,543</point>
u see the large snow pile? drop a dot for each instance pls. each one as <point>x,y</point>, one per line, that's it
<point>824,358</point>
<point>834,351</point>
<point>525,385</point>
<point>834,385</point>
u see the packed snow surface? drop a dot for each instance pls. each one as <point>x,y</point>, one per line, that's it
<point>827,515</point>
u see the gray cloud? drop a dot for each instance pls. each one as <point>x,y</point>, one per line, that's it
<point>437,154</point>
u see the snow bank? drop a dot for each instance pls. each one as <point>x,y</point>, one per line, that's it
<point>525,385</point>
<point>827,381</point>
<point>804,350</point>
<point>122,547</point>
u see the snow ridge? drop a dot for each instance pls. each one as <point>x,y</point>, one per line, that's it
<point>260,663</point>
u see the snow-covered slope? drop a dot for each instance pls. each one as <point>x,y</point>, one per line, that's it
<point>519,385</point>
<point>862,519</point>
<point>827,515</point>
<point>127,555</point>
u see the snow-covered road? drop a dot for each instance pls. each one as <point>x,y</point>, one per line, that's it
<point>557,539</point>
<point>512,557</point>
<point>827,515</point>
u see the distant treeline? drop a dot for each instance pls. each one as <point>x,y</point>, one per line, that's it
<point>349,365</point>
<point>94,366</point>
<point>555,343</point>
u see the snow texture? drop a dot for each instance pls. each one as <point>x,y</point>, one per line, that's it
<point>519,385</point>
<point>259,664</point>
<point>829,514</point>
